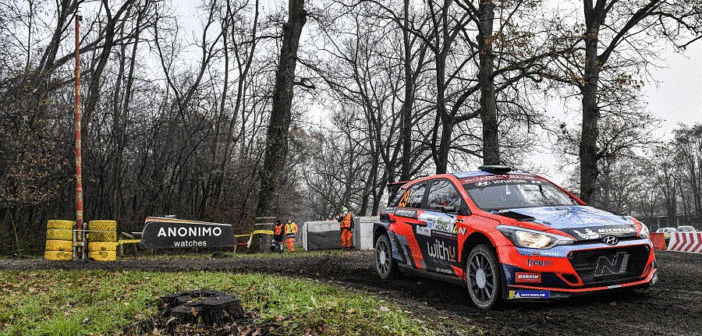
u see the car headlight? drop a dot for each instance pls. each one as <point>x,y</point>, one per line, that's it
<point>644,233</point>
<point>521,237</point>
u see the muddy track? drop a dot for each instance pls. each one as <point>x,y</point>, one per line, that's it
<point>672,307</point>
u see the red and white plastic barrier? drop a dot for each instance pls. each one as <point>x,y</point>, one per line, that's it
<point>686,242</point>
<point>658,240</point>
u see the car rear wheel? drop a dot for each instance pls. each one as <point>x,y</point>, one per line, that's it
<point>385,265</point>
<point>483,277</point>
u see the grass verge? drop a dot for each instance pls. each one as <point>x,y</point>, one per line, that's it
<point>56,302</point>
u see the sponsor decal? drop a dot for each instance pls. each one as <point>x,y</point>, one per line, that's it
<point>406,213</point>
<point>439,222</point>
<point>548,254</point>
<point>175,233</point>
<point>439,250</point>
<point>620,229</point>
<point>529,294</point>
<point>191,231</point>
<point>524,277</point>
<point>593,233</point>
<point>528,252</point>
<point>492,178</point>
<point>423,230</point>
<point>190,243</point>
<point>587,234</point>
<point>445,271</point>
<point>611,265</point>
<point>462,231</point>
<point>539,263</point>
<point>445,224</point>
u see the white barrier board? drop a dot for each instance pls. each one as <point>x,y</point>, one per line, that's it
<point>362,231</point>
<point>686,242</point>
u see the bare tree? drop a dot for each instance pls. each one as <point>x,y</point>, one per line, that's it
<point>279,124</point>
<point>627,19</point>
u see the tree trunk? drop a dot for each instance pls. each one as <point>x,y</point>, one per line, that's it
<point>406,110</point>
<point>444,119</point>
<point>488,105</point>
<point>279,124</point>
<point>591,112</point>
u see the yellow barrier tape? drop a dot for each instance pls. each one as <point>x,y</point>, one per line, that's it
<point>242,235</point>
<point>270,232</point>
<point>128,241</point>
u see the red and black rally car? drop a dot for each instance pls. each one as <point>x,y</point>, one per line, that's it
<point>510,235</point>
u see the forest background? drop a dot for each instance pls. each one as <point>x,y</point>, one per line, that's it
<point>181,103</point>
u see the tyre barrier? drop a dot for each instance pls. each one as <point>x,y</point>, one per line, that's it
<point>103,255</point>
<point>102,225</point>
<point>59,234</point>
<point>102,231</point>
<point>102,236</point>
<point>60,224</point>
<point>58,255</point>
<point>59,239</point>
<point>690,242</point>
<point>102,240</point>
<point>59,245</point>
<point>102,246</point>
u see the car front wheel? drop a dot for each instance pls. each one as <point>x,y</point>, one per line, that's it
<point>385,265</point>
<point>483,277</point>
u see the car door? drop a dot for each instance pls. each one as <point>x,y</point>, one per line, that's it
<point>407,225</point>
<point>438,239</point>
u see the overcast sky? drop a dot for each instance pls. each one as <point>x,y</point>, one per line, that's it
<point>675,97</point>
<point>678,97</point>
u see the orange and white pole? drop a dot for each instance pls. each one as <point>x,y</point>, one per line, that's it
<point>79,252</point>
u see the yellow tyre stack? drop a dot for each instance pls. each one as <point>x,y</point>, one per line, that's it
<point>59,240</point>
<point>102,238</point>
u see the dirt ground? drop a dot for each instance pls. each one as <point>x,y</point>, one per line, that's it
<point>672,307</point>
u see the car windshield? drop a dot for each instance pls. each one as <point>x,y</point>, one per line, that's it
<point>686,229</point>
<point>514,193</point>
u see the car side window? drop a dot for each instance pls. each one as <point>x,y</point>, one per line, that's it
<point>442,195</point>
<point>413,196</point>
<point>397,198</point>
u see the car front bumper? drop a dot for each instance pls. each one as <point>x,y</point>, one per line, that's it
<point>575,269</point>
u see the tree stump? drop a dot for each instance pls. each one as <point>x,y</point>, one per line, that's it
<point>200,307</point>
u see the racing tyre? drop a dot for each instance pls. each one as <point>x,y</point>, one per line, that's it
<point>60,224</point>
<point>385,265</point>
<point>483,277</point>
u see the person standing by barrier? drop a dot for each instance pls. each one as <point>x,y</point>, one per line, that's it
<point>290,231</point>
<point>346,227</point>
<point>278,233</point>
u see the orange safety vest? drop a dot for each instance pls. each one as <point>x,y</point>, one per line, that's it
<point>278,230</point>
<point>346,222</point>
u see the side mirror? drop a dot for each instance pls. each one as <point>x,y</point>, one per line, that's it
<point>463,211</point>
<point>448,208</point>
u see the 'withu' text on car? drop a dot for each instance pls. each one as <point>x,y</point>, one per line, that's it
<point>510,236</point>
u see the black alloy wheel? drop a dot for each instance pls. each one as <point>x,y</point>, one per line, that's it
<point>385,265</point>
<point>483,277</point>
